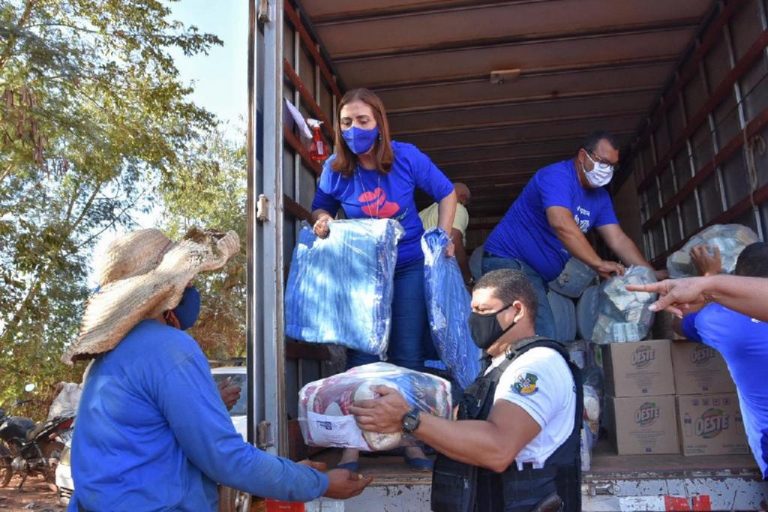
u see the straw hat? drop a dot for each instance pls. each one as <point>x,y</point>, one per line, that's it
<point>143,274</point>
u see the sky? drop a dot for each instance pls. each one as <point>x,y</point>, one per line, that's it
<point>219,78</point>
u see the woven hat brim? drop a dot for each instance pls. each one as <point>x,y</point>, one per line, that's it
<point>120,306</point>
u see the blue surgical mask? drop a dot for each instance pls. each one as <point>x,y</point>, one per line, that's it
<point>360,140</point>
<point>188,310</point>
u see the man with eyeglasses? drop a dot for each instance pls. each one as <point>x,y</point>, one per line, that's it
<point>548,221</point>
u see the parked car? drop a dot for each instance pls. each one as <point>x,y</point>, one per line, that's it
<point>238,413</point>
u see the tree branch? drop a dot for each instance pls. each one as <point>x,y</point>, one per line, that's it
<point>11,43</point>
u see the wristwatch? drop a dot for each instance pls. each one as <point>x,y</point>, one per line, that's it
<point>411,420</point>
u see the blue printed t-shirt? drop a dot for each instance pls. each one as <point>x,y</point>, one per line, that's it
<point>152,433</point>
<point>371,194</point>
<point>743,343</point>
<point>524,232</point>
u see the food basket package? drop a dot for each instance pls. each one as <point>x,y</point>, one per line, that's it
<point>624,315</point>
<point>324,404</point>
<point>731,239</point>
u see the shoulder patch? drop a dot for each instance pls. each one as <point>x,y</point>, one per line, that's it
<point>526,384</point>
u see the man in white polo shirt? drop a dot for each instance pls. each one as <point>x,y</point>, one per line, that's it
<point>515,446</point>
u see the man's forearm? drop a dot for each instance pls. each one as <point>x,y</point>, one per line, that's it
<point>577,245</point>
<point>470,441</point>
<point>628,252</point>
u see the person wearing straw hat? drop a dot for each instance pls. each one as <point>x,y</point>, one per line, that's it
<point>152,431</point>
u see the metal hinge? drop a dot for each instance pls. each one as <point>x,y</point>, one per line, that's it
<point>262,208</point>
<point>263,11</point>
<point>264,437</point>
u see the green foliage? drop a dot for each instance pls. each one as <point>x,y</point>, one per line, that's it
<point>210,191</point>
<point>92,117</point>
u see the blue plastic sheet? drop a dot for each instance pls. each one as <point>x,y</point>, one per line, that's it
<point>340,288</point>
<point>448,307</point>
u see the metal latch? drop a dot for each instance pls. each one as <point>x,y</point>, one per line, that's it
<point>263,12</point>
<point>264,437</point>
<point>598,489</point>
<point>262,208</point>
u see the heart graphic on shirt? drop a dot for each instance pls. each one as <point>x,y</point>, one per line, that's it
<point>375,204</point>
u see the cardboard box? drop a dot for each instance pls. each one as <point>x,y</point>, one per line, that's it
<point>641,425</point>
<point>700,370</point>
<point>641,368</point>
<point>711,425</point>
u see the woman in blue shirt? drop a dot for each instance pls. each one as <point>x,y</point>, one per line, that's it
<point>372,176</point>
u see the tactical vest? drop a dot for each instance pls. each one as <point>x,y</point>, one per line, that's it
<point>459,487</point>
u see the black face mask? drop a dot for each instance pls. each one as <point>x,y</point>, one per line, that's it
<point>486,329</point>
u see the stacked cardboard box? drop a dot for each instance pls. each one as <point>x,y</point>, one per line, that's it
<point>709,418</point>
<point>640,402</point>
<point>664,395</point>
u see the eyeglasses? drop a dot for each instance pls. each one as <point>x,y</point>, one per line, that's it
<point>597,160</point>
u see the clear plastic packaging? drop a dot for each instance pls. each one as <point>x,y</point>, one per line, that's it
<point>340,288</point>
<point>731,239</point>
<point>324,415</point>
<point>448,307</point>
<point>624,315</point>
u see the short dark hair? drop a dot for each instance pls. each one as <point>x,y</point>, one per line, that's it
<point>753,261</point>
<point>510,285</point>
<point>593,139</point>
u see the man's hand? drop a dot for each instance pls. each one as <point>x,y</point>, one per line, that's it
<point>343,484</point>
<point>707,263</point>
<point>607,269</point>
<point>678,296</point>
<point>230,392</point>
<point>384,414</point>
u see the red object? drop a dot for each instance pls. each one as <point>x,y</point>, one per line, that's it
<point>283,506</point>
<point>318,152</point>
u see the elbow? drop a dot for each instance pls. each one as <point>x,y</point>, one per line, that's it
<point>499,461</point>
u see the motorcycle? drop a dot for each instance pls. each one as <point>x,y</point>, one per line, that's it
<point>31,449</point>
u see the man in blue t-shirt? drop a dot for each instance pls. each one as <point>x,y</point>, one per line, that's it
<point>741,340</point>
<point>547,223</point>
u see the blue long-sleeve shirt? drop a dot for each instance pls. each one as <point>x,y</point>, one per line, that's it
<point>153,434</point>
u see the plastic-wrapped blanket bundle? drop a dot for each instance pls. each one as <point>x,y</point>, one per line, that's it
<point>448,307</point>
<point>340,287</point>
<point>731,239</point>
<point>324,404</point>
<point>624,315</point>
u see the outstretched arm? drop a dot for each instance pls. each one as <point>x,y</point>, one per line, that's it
<point>747,295</point>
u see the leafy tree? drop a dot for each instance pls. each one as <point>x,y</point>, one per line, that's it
<point>210,191</point>
<point>92,117</point>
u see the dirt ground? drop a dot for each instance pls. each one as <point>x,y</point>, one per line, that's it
<point>35,495</point>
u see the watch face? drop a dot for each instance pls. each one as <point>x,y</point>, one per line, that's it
<point>410,422</point>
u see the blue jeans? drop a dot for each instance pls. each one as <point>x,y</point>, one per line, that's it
<point>545,320</point>
<point>410,341</point>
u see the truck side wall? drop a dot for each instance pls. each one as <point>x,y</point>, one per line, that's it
<point>700,158</point>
